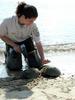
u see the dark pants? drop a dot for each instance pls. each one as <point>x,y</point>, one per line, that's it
<point>13,59</point>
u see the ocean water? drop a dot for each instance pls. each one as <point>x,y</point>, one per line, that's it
<point>49,39</point>
<point>53,26</point>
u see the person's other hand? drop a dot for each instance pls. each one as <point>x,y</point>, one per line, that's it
<point>45,61</point>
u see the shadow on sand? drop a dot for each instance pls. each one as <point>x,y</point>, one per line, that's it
<point>15,86</point>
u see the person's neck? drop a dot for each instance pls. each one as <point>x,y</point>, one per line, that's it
<point>20,23</point>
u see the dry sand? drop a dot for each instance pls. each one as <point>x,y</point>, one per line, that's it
<point>61,88</point>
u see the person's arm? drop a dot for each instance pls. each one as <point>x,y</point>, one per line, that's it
<point>4,35</point>
<point>41,53</point>
<point>10,42</point>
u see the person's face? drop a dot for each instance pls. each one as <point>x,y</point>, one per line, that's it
<point>26,21</point>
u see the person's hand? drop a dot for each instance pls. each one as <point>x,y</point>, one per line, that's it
<point>45,61</point>
<point>17,48</point>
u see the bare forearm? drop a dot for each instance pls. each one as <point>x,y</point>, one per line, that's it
<point>40,50</point>
<point>8,40</point>
<point>41,53</point>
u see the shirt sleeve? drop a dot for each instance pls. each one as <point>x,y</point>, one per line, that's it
<point>35,34</point>
<point>3,28</point>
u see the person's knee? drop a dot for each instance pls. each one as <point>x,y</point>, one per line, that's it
<point>13,60</point>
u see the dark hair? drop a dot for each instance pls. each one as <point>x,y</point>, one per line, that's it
<point>28,11</point>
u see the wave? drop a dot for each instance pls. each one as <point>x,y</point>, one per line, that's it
<point>60,47</point>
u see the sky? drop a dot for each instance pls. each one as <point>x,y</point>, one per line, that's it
<point>55,16</point>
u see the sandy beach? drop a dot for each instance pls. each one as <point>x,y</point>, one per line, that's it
<point>60,88</point>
